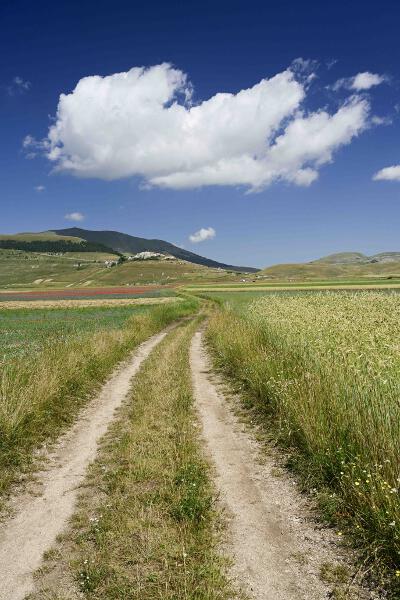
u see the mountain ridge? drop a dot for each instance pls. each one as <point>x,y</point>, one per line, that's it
<point>341,258</point>
<point>338,266</point>
<point>124,242</point>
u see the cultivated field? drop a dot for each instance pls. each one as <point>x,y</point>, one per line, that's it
<point>323,371</point>
<point>29,330</point>
<point>285,286</point>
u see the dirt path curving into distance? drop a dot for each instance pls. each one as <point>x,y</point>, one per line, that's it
<point>39,519</point>
<point>277,551</point>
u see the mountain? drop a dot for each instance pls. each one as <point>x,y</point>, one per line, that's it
<point>123,242</point>
<point>347,258</point>
<point>343,265</point>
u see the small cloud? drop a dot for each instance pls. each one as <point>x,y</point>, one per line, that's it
<point>360,82</point>
<point>202,234</point>
<point>39,188</point>
<point>375,120</point>
<point>331,63</point>
<point>18,86</point>
<point>74,216</point>
<point>388,174</point>
<point>365,81</point>
<point>32,146</point>
<point>28,141</point>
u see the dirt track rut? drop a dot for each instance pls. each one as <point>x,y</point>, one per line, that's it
<point>277,551</point>
<point>38,520</point>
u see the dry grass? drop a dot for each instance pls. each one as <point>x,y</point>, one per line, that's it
<point>84,303</point>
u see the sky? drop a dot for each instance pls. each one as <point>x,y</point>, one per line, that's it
<point>252,133</point>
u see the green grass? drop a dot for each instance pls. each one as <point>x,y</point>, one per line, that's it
<point>322,373</point>
<point>24,332</point>
<point>150,534</point>
<point>41,393</point>
<point>44,235</point>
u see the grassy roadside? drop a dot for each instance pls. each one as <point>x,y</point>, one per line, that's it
<point>40,395</point>
<point>320,374</point>
<point>145,527</point>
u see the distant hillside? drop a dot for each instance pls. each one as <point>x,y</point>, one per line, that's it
<point>343,265</point>
<point>122,242</point>
<point>348,258</point>
<point>50,242</point>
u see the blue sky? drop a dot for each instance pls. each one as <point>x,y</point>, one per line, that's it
<point>46,48</point>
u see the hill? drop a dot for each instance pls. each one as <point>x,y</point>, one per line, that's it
<point>125,243</point>
<point>348,258</point>
<point>49,241</point>
<point>343,265</point>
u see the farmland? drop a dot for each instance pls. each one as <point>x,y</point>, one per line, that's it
<point>321,371</point>
<point>317,372</point>
<point>24,332</point>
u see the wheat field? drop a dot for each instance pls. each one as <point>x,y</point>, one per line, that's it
<point>324,368</point>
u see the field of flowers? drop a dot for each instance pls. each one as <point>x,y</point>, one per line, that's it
<point>324,370</point>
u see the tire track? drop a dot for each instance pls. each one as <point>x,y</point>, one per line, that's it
<point>269,526</point>
<point>39,519</point>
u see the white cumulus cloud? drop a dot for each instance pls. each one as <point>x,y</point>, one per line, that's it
<point>144,123</point>
<point>40,188</point>
<point>360,82</point>
<point>388,174</point>
<point>203,234</point>
<point>74,216</point>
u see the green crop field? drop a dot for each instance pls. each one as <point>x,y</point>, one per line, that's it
<point>24,332</point>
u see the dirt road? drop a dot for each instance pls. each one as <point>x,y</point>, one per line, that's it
<point>277,550</point>
<point>39,519</point>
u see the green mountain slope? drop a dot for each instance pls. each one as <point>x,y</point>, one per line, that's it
<point>48,241</point>
<point>122,242</point>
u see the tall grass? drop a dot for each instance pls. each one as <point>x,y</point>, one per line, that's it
<point>324,369</point>
<point>42,393</point>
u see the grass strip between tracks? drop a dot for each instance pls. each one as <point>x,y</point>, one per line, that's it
<point>146,527</point>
